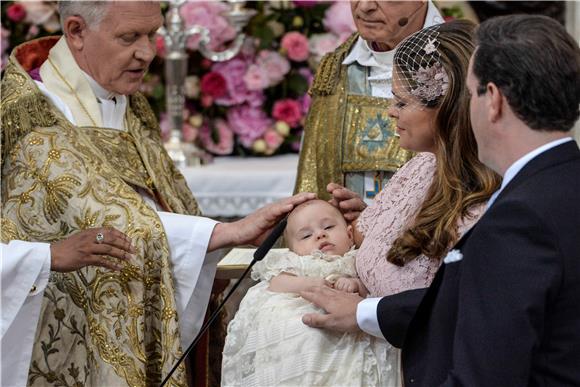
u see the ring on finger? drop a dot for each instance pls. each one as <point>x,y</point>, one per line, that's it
<point>100,237</point>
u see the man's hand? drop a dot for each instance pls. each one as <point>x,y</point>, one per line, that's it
<point>254,228</point>
<point>340,306</point>
<point>348,202</point>
<point>84,249</point>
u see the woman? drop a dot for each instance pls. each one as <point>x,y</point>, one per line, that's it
<point>440,193</point>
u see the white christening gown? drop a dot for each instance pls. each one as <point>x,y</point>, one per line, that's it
<point>268,345</point>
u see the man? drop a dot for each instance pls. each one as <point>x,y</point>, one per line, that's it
<point>81,148</point>
<point>503,309</point>
<point>348,137</point>
<point>25,268</point>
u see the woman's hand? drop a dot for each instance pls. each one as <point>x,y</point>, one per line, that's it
<point>91,247</point>
<point>348,202</point>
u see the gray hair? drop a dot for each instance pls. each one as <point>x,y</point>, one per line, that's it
<point>92,12</point>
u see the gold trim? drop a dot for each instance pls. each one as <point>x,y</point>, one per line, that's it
<point>72,91</point>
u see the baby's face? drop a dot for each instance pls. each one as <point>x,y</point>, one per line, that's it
<point>317,225</point>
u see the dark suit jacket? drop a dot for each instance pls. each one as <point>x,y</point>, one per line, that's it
<point>508,313</point>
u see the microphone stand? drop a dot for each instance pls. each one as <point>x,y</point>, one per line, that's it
<point>259,254</point>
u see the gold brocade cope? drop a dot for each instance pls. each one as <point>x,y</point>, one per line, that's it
<point>342,132</point>
<point>369,142</point>
<point>96,327</point>
<point>119,148</point>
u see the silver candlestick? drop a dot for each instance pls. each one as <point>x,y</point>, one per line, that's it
<point>175,37</point>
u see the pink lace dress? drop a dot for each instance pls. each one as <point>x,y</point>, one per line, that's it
<point>393,210</point>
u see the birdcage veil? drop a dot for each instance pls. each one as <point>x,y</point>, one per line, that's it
<point>418,72</point>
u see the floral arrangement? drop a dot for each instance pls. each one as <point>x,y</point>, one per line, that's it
<point>254,103</point>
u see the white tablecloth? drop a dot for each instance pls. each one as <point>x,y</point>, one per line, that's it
<point>236,186</point>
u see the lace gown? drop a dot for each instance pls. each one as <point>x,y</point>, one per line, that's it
<point>268,345</point>
<point>393,210</point>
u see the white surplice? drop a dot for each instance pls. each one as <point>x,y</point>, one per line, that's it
<point>25,268</point>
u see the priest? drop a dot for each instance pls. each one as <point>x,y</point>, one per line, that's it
<point>81,148</point>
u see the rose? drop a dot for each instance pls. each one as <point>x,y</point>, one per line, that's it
<point>16,12</point>
<point>248,122</point>
<point>338,20</point>
<point>273,140</point>
<point>225,138</point>
<point>321,44</point>
<point>287,110</point>
<point>296,46</point>
<point>256,78</point>
<point>274,66</point>
<point>304,3</point>
<point>209,15</point>
<point>213,84</point>
<point>237,93</point>
<point>160,46</point>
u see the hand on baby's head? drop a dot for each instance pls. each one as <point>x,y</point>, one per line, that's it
<point>317,225</point>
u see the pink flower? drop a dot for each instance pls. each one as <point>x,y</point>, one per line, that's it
<point>209,15</point>
<point>249,123</point>
<point>160,46</point>
<point>274,65</point>
<point>16,12</point>
<point>42,13</point>
<point>189,132</point>
<point>237,92</point>
<point>321,44</point>
<point>305,3</point>
<point>256,78</point>
<point>338,20</point>
<point>273,140</point>
<point>164,125</point>
<point>206,100</point>
<point>287,110</point>
<point>213,84</point>
<point>296,46</point>
<point>305,102</point>
<point>224,138</point>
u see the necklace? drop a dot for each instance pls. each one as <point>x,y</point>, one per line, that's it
<point>73,92</point>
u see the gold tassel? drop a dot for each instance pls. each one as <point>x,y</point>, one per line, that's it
<point>328,72</point>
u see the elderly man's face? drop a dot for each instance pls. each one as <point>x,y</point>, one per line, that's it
<point>378,21</point>
<point>119,50</point>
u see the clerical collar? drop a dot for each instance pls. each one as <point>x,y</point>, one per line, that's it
<point>366,56</point>
<point>100,92</point>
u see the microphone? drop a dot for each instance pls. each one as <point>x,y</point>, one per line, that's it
<point>259,254</point>
<point>405,20</point>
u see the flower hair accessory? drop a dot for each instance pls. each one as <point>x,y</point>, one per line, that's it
<point>418,69</point>
<point>432,82</point>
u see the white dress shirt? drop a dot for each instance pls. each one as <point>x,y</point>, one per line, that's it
<point>366,312</point>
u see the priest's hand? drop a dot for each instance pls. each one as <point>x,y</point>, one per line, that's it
<point>340,308</point>
<point>254,228</point>
<point>348,202</point>
<point>92,247</point>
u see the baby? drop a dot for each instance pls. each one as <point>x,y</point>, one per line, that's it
<point>317,226</point>
<point>267,344</point>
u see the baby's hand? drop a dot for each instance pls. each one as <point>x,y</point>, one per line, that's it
<point>350,285</point>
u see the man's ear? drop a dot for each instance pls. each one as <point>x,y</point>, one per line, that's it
<point>495,102</point>
<point>75,30</point>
